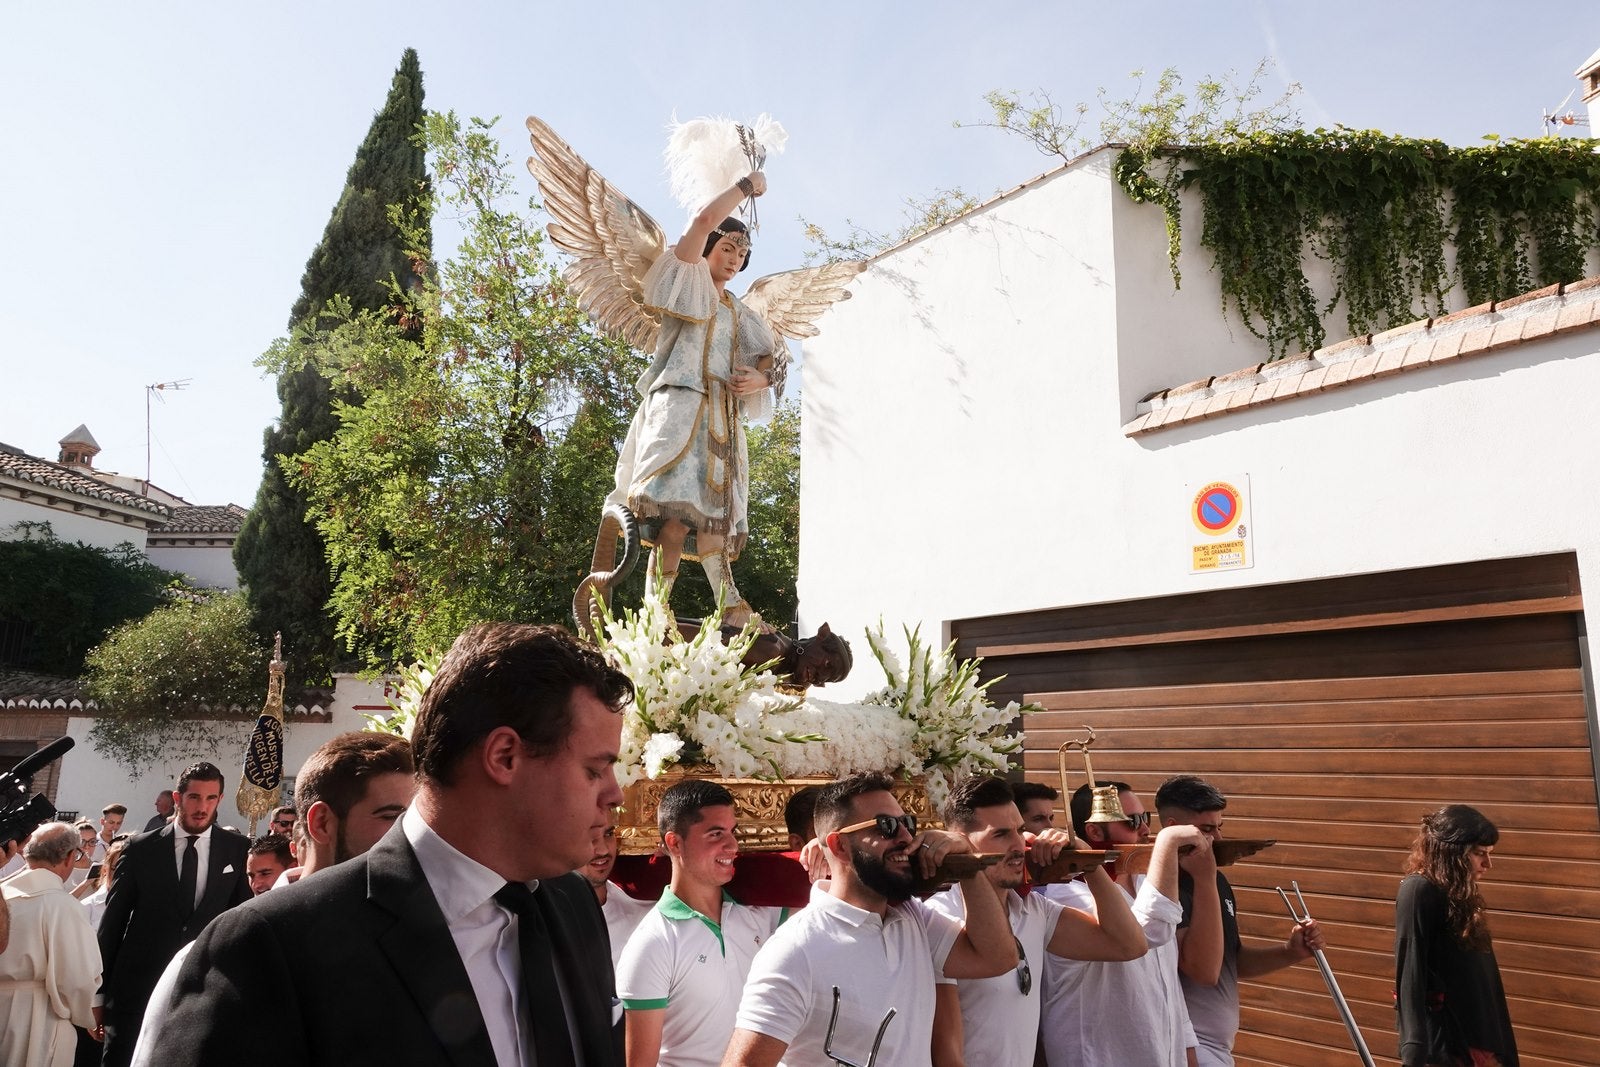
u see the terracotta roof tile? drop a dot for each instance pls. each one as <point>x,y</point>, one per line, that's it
<point>1420,351</point>
<point>1488,327</point>
<point>1339,373</point>
<point>1454,317</point>
<point>1390,360</point>
<point>28,688</point>
<point>218,518</point>
<point>1311,381</point>
<point>17,464</point>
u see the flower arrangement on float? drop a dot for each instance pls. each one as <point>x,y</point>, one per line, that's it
<point>403,694</point>
<point>697,705</point>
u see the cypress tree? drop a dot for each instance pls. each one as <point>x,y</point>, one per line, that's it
<point>280,556</point>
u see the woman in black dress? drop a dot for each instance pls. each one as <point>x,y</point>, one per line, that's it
<point>1447,985</point>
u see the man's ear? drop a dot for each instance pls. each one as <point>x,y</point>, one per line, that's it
<point>322,825</point>
<point>673,844</point>
<point>500,750</point>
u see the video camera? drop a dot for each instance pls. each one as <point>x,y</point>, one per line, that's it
<point>21,815</point>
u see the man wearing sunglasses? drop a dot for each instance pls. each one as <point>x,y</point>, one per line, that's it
<point>823,985</point>
<point>998,1018</point>
<point>282,821</point>
<point>1110,1014</point>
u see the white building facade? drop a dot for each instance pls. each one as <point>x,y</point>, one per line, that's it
<point>1014,436</point>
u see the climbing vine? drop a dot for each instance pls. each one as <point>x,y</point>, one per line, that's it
<point>1381,210</point>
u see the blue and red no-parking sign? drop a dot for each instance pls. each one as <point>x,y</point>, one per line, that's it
<point>1216,508</point>
<point>1220,510</point>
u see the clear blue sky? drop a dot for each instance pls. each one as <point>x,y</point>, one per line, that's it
<point>169,167</point>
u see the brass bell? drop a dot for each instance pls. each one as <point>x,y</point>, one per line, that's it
<point>1105,807</point>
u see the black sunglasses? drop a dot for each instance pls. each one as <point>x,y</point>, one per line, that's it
<point>887,825</point>
<point>1024,972</point>
<point>1138,820</point>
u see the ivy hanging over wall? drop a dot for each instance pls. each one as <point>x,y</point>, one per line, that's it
<point>1381,210</point>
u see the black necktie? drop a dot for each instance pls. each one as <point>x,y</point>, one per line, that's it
<point>189,878</point>
<point>552,1044</point>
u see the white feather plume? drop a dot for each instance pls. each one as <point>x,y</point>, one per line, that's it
<point>704,156</point>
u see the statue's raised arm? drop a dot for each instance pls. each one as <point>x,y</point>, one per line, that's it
<point>682,477</point>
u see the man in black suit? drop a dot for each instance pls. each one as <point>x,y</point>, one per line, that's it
<point>168,885</point>
<point>462,937</point>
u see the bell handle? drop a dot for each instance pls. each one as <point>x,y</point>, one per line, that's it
<point>1081,744</point>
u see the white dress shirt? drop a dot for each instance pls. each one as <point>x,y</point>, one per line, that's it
<point>202,850</point>
<point>485,935</point>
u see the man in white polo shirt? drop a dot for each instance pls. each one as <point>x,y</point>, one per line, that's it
<point>1110,1014</point>
<point>823,985</point>
<point>999,1017</point>
<point>622,912</point>
<point>683,970</point>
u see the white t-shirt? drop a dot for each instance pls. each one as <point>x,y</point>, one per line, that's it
<point>679,960</point>
<point>94,905</point>
<point>1106,1014</point>
<point>623,914</point>
<point>999,1023</point>
<point>876,962</point>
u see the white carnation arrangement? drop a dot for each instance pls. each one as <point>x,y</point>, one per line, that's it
<point>696,703</point>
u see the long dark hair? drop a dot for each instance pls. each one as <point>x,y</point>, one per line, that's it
<point>1439,854</point>
<point>729,225</point>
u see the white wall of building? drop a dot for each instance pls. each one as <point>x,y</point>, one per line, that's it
<point>963,452</point>
<point>90,779</point>
<point>210,566</point>
<point>71,526</point>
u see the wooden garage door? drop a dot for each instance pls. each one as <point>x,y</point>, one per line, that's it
<point>1334,734</point>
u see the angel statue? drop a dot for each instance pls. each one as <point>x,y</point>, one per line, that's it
<point>682,478</point>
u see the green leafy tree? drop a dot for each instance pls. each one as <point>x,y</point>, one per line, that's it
<point>920,215</point>
<point>57,600</point>
<point>467,484</point>
<point>152,676</point>
<point>365,258</point>
<point>1219,109</point>
<point>771,563</point>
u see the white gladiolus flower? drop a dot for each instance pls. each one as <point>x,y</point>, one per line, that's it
<point>697,703</point>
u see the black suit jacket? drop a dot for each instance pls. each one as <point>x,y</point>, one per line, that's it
<point>361,968</point>
<point>143,928</point>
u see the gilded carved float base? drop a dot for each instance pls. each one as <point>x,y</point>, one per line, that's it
<point>758,806</point>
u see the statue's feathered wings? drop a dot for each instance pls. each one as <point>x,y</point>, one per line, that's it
<point>614,241</point>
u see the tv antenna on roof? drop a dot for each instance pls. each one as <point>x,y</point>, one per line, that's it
<point>1553,119</point>
<point>153,391</point>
